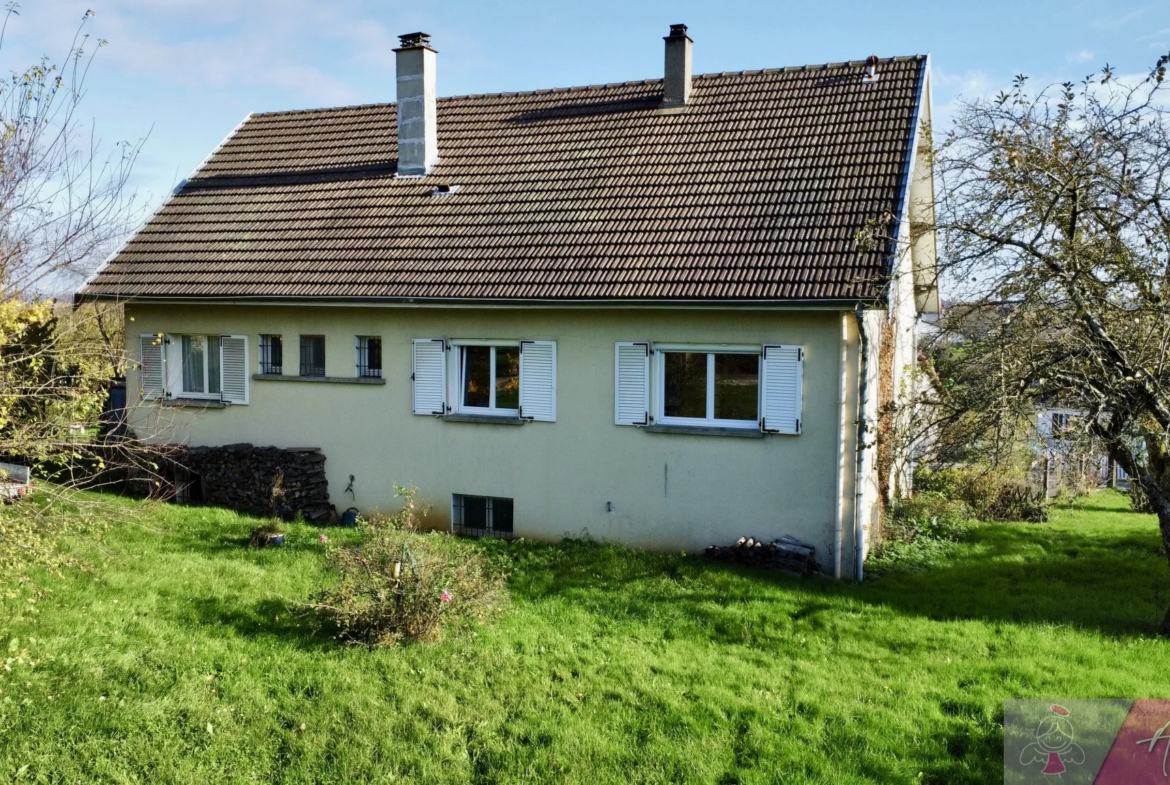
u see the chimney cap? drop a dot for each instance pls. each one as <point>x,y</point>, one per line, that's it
<point>678,31</point>
<point>414,41</point>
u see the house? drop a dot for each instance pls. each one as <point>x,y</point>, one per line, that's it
<point>637,310</point>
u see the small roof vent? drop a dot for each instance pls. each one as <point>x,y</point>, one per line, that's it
<point>445,190</point>
<point>871,74</point>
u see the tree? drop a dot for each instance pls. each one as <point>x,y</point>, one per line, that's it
<point>1054,214</point>
<point>64,203</point>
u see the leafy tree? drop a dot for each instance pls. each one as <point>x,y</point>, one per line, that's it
<point>1054,214</point>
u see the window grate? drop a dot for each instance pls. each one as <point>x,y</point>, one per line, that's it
<point>482,516</point>
<point>369,356</point>
<point>312,355</point>
<point>271,355</point>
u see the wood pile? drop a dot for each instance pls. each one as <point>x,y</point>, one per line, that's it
<point>262,480</point>
<point>786,553</point>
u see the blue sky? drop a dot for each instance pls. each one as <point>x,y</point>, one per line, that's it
<point>187,71</point>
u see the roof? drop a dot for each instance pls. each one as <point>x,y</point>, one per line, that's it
<point>753,192</point>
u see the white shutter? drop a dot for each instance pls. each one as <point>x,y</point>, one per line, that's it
<point>429,374</point>
<point>233,368</point>
<point>631,383</point>
<point>152,370</point>
<point>173,348</point>
<point>782,377</point>
<point>538,380</point>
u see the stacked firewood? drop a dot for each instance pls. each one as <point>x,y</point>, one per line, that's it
<point>786,553</point>
<point>262,480</point>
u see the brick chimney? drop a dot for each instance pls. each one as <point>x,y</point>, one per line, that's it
<point>418,141</point>
<point>676,87</point>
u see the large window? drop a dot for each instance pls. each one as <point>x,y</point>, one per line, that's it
<point>271,354</point>
<point>369,356</point>
<point>312,355</point>
<point>200,360</point>
<point>710,388</point>
<point>489,379</point>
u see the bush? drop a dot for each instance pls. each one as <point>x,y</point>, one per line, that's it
<point>990,495</point>
<point>400,585</point>
<point>921,532</point>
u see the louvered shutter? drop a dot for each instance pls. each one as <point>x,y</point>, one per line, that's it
<point>152,371</point>
<point>429,374</point>
<point>173,348</point>
<point>632,383</point>
<point>538,380</point>
<point>783,376</point>
<point>233,368</point>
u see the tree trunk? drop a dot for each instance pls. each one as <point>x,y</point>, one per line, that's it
<point>1141,477</point>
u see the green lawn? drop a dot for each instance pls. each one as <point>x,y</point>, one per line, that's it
<point>176,658</point>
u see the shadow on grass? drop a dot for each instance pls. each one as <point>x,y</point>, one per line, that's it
<point>1113,582</point>
<point>272,618</point>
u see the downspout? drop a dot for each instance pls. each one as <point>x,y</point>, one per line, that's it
<point>842,460</point>
<point>859,475</point>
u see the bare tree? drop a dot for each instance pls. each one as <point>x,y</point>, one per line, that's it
<point>1054,213</point>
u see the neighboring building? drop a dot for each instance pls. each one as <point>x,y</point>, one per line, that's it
<point>630,310</point>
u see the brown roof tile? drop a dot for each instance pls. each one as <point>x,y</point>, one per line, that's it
<point>753,192</point>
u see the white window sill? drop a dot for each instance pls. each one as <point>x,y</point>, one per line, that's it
<point>277,377</point>
<point>490,419</point>
<point>705,430</point>
<point>194,403</point>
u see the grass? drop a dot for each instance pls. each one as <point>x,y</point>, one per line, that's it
<point>177,658</point>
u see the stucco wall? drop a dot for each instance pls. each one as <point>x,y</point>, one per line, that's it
<point>668,490</point>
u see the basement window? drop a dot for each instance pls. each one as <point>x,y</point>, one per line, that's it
<point>481,516</point>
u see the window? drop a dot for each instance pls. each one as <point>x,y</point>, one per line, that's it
<point>505,379</point>
<point>202,367</point>
<point>369,356</point>
<point>200,364</point>
<point>489,379</point>
<point>271,354</point>
<point>482,516</point>
<point>720,389</point>
<point>709,387</point>
<point>312,355</point>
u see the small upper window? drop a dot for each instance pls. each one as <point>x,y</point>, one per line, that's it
<point>201,373</point>
<point>312,355</point>
<point>711,388</point>
<point>489,379</point>
<point>369,356</point>
<point>271,354</point>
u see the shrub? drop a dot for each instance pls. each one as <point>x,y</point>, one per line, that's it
<point>399,585</point>
<point>991,495</point>
<point>921,532</point>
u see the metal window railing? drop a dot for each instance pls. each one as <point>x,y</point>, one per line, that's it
<point>482,516</point>
<point>271,355</point>
<point>369,357</point>
<point>312,355</point>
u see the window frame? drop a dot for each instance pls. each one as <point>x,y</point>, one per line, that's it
<point>301,358</point>
<point>491,410</point>
<point>184,393</point>
<point>658,387</point>
<point>362,350</point>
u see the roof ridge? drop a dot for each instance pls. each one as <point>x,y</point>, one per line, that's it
<point>574,88</point>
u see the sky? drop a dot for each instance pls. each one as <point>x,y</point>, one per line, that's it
<point>181,74</point>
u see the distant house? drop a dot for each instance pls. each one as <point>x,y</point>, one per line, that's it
<point>636,310</point>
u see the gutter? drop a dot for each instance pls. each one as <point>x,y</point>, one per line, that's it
<point>839,521</point>
<point>859,472</point>
<point>484,302</point>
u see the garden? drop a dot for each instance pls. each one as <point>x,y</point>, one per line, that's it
<point>160,647</point>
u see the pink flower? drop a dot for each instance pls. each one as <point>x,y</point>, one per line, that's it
<point>410,505</point>
<point>445,596</point>
<point>324,538</point>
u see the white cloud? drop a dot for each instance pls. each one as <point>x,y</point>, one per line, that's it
<point>1082,56</point>
<point>1117,22</point>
